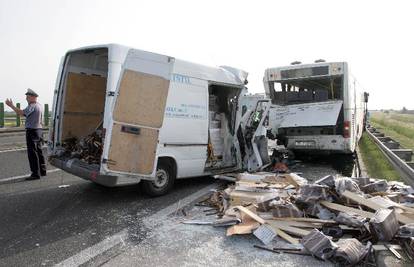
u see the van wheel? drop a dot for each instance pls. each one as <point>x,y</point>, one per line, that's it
<point>164,180</point>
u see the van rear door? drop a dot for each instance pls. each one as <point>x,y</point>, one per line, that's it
<point>138,114</point>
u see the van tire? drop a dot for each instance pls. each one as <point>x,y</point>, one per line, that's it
<point>165,177</point>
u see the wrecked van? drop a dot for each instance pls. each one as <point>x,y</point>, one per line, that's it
<point>151,118</point>
<point>316,107</point>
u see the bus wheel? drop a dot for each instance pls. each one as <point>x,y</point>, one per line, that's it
<point>164,180</point>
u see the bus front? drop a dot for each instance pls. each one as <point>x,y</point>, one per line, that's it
<point>309,107</point>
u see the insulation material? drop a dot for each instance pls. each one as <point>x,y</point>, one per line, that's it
<point>216,141</point>
<point>265,233</point>
<point>285,210</point>
<point>406,230</point>
<point>350,252</point>
<point>385,224</point>
<point>319,245</point>
<point>343,184</point>
<point>350,219</point>
<point>313,192</point>
<point>377,186</point>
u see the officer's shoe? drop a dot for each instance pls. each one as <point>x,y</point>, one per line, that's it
<point>32,177</point>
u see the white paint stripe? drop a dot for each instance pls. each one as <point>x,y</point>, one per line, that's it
<point>8,179</point>
<point>99,248</point>
<point>93,251</point>
<point>16,149</point>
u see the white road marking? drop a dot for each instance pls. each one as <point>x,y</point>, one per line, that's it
<point>93,251</point>
<point>99,248</point>
<point>16,149</point>
<point>8,179</point>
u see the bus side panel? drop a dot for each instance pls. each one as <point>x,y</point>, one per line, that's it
<point>184,135</point>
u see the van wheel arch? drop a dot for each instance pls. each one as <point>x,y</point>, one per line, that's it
<point>166,174</point>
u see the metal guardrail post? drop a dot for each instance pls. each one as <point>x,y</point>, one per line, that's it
<point>46,115</point>
<point>1,115</point>
<point>18,120</point>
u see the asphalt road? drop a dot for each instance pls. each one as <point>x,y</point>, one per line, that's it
<point>46,221</point>
<point>64,220</point>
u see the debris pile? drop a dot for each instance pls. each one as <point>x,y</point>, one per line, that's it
<point>341,219</point>
<point>87,149</point>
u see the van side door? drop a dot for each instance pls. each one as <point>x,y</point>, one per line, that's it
<point>138,114</point>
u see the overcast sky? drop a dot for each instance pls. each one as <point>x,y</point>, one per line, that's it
<point>374,37</point>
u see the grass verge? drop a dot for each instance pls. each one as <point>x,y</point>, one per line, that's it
<point>376,163</point>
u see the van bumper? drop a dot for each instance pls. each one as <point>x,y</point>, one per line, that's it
<point>90,173</point>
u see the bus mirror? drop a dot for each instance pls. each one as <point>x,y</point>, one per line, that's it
<point>366,95</point>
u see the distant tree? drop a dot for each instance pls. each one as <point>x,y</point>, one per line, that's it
<point>404,110</point>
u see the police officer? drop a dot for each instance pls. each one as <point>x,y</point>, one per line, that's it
<point>33,113</point>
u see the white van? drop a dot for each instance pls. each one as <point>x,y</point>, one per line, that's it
<point>161,118</point>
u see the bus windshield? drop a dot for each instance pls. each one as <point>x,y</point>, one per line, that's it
<point>306,90</point>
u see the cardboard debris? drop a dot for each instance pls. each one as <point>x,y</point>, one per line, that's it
<point>319,245</point>
<point>384,224</point>
<point>289,207</point>
<point>350,252</point>
<point>265,233</point>
<point>313,193</point>
<point>87,149</point>
<point>351,219</point>
<point>406,230</point>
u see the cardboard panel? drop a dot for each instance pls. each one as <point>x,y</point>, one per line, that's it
<point>133,153</point>
<point>85,93</point>
<point>141,99</point>
<point>84,104</point>
<point>79,125</point>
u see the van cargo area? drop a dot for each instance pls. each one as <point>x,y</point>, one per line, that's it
<point>78,128</point>
<point>222,119</point>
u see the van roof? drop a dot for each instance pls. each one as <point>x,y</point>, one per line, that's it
<point>222,74</point>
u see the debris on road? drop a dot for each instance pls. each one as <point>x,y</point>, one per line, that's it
<point>334,218</point>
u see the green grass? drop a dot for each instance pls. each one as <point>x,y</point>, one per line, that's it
<point>397,126</point>
<point>375,161</point>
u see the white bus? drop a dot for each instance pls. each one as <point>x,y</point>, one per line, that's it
<point>316,107</point>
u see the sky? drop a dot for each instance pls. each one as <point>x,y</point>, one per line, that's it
<point>374,37</point>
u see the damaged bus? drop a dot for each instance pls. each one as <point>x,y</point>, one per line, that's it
<point>122,115</point>
<point>316,107</point>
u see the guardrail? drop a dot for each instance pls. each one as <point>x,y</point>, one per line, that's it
<point>397,161</point>
<point>12,120</point>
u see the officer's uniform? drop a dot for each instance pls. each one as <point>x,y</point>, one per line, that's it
<point>34,114</point>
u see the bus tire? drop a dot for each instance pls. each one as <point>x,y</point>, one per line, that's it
<point>164,180</point>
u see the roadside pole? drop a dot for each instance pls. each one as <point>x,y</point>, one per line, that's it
<point>46,115</point>
<point>1,115</point>
<point>18,120</point>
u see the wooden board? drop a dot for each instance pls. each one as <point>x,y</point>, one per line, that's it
<point>242,228</point>
<point>133,153</point>
<point>79,126</point>
<point>84,104</point>
<point>85,93</point>
<point>288,228</point>
<point>141,100</point>
<point>251,214</point>
<point>343,208</point>
<point>286,236</point>
<point>299,219</point>
<point>375,205</point>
